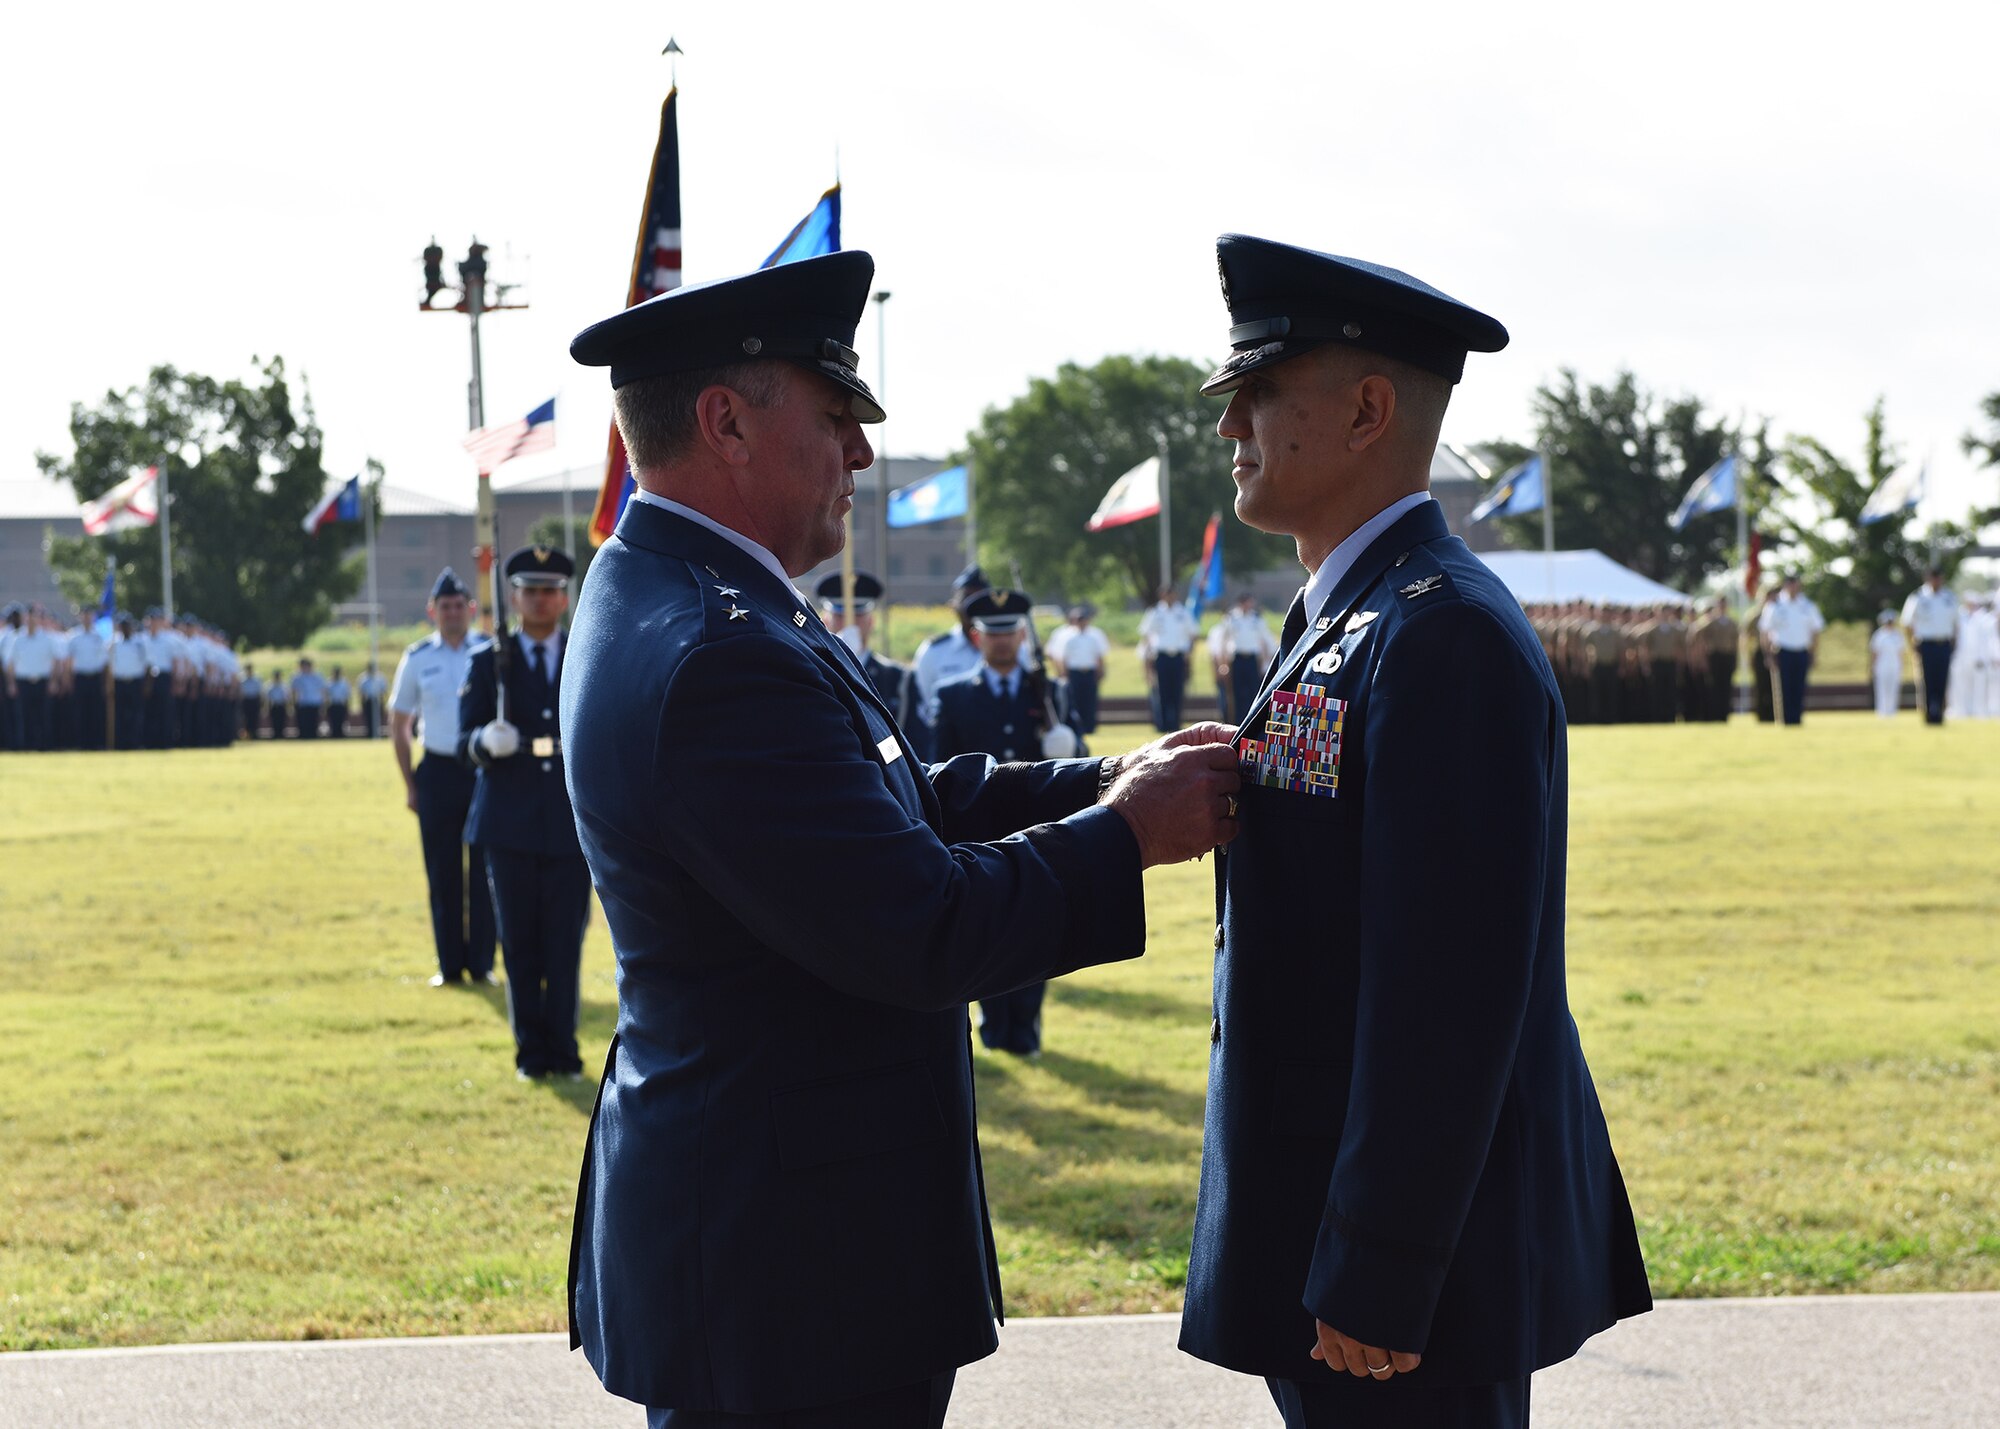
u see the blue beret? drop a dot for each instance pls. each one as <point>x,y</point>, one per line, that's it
<point>867,590</point>
<point>448,583</point>
<point>1284,301</point>
<point>804,312</point>
<point>539,566</point>
<point>998,610</point>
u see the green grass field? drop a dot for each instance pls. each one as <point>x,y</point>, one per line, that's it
<point>231,1107</point>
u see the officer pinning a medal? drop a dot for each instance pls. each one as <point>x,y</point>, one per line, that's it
<point>800,907</point>
<point>510,731</point>
<point>1408,1197</point>
<point>423,703</point>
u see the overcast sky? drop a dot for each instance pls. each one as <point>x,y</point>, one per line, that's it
<point>1785,210</point>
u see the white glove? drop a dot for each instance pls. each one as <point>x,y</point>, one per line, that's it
<point>499,739</point>
<point>1059,743</point>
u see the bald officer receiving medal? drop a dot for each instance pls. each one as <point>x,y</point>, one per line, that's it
<point>1408,1197</point>
<point>801,909</point>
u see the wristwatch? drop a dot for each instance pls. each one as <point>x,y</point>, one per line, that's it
<point>1107,775</point>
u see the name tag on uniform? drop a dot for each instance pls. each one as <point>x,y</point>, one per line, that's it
<point>1300,750</point>
<point>889,750</point>
<point>543,746</point>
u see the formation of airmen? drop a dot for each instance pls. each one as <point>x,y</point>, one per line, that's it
<point>1646,664</point>
<point>160,684</point>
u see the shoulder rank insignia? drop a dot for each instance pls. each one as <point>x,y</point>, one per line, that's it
<point>1422,585</point>
<point>1359,620</point>
<point>727,590</point>
<point>737,612</point>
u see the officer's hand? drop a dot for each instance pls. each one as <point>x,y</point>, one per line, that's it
<point>410,794</point>
<point>1180,803</point>
<point>1208,732</point>
<point>1362,1361</point>
<point>499,739</point>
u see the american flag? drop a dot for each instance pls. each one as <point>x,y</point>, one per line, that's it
<point>494,447</point>
<point>656,269</point>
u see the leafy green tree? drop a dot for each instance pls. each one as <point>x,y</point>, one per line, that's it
<point>1852,571</point>
<point>1623,461</point>
<point>1042,463</point>
<point>243,468</point>
<point>1986,448</point>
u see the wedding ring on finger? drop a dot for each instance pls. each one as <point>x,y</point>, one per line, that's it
<point>1229,806</point>
<point>1380,1368</point>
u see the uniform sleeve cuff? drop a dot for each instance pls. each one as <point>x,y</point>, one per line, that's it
<point>1372,1289</point>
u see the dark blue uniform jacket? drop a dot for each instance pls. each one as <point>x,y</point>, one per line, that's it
<point>781,1202</point>
<point>519,802</point>
<point>1402,1137</point>
<point>971,717</point>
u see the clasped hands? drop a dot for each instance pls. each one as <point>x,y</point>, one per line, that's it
<point>1178,794</point>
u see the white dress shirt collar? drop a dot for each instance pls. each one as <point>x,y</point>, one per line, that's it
<point>1320,588</point>
<point>736,538</point>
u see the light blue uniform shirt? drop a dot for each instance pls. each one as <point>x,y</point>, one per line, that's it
<point>426,685</point>
<point>309,689</point>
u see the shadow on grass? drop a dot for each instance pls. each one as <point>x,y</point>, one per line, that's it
<point>596,1020</point>
<point>1131,1002</point>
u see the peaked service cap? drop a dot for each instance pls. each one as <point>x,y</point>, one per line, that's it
<point>867,590</point>
<point>804,312</point>
<point>998,610</point>
<point>1284,301</point>
<point>539,566</point>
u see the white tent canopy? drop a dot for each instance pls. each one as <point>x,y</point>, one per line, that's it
<point>1538,576</point>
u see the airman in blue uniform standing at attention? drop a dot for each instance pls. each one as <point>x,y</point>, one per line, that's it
<point>509,730</point>
<point>1408,1197</point>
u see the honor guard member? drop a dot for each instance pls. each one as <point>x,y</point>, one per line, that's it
<point>1075,655</point>
<point>1790,627</point>
<point>1009,712</point>
<point>1930,621</point>
<point>32,658</point>
<point>339,704</point>
<point>944,657</point>
<point>1166,634</point>
<point>521,815</point>
<point>891,679</point>
<point>438,790</point>
<point>800,907</point>
<point>128,684</point>
<point>1885,665</point>
<point>372,687</point>
<point>1408,1197</point>
<point>252,697</point>
<point>1248,646</point>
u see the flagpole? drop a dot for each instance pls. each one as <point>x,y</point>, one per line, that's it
<point>1166,517</point>
<point>1739,589</point>
<point>374,604</point>
<point>971,520</point>
<point>1548,525</point>
<point>110,704</point>
<point>166,547</point>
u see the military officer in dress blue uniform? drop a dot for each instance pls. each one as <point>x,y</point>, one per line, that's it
<point>890,678</point>
<point>424,702</point>
<point>943,657</point>
<point>509,730</point>
<point>1004,709</point>
<point>800,908</point>
<point>1408,1197</point>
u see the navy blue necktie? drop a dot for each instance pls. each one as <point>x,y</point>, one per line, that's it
<point>535,662</point>
<point>1295,625</point>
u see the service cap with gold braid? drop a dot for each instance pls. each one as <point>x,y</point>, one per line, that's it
<point>539,566</point>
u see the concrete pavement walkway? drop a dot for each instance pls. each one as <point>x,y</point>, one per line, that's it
<point>1880,1361</point>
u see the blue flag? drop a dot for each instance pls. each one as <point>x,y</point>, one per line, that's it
<point>107,606</point>
<point>1715,491</point>
<point>938,497</point>
<point>1206,583</point>
<point>1515,494</point>
<point>1899,492</point>
<point>818,232</point>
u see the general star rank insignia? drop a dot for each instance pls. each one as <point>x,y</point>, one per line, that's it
<point>1422,585</point>
<point>737,612</point>
<point>727,590</point>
